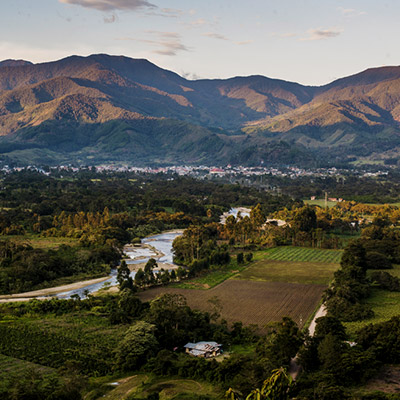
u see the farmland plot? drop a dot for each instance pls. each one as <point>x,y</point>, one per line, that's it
<point>252,302</point>
<point>291,253</point>
<point>289,271</point>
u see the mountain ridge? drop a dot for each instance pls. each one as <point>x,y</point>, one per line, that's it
<point>248,117</point>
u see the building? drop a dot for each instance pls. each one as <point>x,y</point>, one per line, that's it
<point>203,349</point>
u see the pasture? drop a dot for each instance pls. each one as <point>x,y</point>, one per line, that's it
<point>302,272</point>
<point>252,302</point>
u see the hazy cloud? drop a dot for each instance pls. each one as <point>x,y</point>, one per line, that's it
<point>110,19</point>
<point>244,42</point>
<point>198,22</point>
<point>190,76</point>
<point>350,12</point>
<point>111,5</point>
<point>215,36</point>
<point>167,43</point>
<point>320,34</point>
<point>284,35</point>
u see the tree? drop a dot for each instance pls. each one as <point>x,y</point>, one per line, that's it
<point>281,343</point>
<point>276,387</point>
<point>137,346</point>
<point>305,219</point>
<point>124,279</point>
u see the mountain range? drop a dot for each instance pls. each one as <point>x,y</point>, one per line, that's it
<point>101,108</point>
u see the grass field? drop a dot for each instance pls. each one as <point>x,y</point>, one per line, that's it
<point>252,302</point>
<point>14,367</point>
<point>289,272</point>
<point>141,386</point>
<point>291,253</point>
<point>320,202</point>
<point>211,278</point>
<point>39,242</point>
<point>385,305</point>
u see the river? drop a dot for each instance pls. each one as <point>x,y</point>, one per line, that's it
<point>162,243</point>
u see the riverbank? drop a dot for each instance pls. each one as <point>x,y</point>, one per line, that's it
<point>146,250</point>
<point>44,293</point>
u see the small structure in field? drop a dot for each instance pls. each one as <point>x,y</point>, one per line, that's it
<point>203,349</point>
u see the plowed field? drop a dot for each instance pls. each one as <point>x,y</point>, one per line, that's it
<point>252,302</point>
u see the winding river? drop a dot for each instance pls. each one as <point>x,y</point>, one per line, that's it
<point>162,243</point>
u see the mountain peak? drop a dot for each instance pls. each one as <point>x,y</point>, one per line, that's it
<point>14,63</point>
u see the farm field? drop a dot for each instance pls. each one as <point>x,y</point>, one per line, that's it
<point>141,386</point>
<point>289,272</point>
<point>252,302</point>
<point>385,305</point>
<point>13,367</point>
<point>292,253</point>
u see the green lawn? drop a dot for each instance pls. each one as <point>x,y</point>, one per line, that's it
<point>291,253</point>
<point>385,305</point>
<point>289,272</point>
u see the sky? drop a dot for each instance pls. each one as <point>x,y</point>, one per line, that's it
<point>312,42</point>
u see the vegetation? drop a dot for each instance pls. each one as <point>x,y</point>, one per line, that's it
<point>261,282</point>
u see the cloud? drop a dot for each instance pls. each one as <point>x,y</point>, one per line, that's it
<point>111,5</point>
<point>111,19</point>
<point>320,34</point>
<point>198,22</point>
<point>167,43</point>
<point>215,36</point>
<point>350,12</point>
<point>284,35</point>
<point>190,76</point>
<point>244,42</point>
<point>172,12</point>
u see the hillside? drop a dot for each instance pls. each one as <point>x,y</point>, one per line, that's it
<point>114,108</point>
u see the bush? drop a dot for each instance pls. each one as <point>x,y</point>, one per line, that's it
<point>240,258</point>
<point>376,260</point>
<point>386,281</point>
<point>248,257</point>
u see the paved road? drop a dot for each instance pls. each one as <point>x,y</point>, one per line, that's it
<point>294,367</point>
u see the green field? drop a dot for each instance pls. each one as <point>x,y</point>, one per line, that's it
<point>140,386</point>
<point>289,271</point>
<point>13,367</point>
<point>39,242</point>
<point>385,305</point>
<point>291,253</point>
<point>210,278</point>
<point>320,203</point>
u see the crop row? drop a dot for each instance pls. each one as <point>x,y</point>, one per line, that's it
<point>289,253</point>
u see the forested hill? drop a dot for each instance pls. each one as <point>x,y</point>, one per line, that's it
<point>113,108</point>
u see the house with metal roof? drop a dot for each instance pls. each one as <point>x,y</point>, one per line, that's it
<point>204,349</point>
